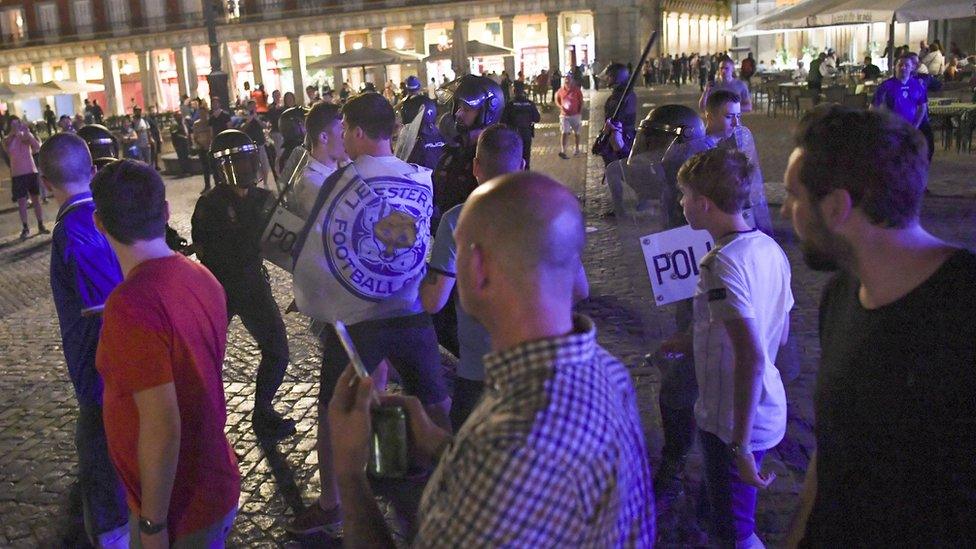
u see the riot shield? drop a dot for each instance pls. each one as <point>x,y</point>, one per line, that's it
<point>407,139</point>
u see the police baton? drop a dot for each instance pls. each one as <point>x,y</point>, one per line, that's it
<point>602,140</point>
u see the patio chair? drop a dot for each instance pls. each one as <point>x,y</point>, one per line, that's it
<point>855,101</point>
<point>964,135</point>
<point>835,94</point>
<point>804,104</point>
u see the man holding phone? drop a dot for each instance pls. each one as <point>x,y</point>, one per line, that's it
<point>557,434</point>
<point>368,274</point>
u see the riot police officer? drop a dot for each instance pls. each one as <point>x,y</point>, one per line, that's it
<point>104,149</point>
<point>102,144</point>
<point>616,76</point>
<point>522,115</point>
<point>429,146</point>
<point>291,123</point>
<point>226,227</point>
<point>476,103</point>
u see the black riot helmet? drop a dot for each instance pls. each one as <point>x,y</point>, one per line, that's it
<point>410,107</point>
<point>101,142</point>
<point>412,84</point>
<point>236,159</point>
<point>615,74</point>
<point>664,125</point>
<point>477,92</point>
<point>102,162</point>
<point>291,123</point>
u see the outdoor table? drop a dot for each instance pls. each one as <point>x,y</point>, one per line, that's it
<point>948,113</point>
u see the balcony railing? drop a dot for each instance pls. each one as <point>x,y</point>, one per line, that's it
<point>262,11</point>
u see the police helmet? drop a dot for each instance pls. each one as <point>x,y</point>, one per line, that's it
<point>615,74</point>
<point>477,92</point>
<point>664,125</point>
<point>408,109</point>
<point>518,87</point>
<point>101,142</point>
<point>291,123</point>
<point>102,162</point>
<point>412,84</point>
<point>235,159</point>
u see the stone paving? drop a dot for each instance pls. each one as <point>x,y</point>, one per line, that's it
<point>38,412</point>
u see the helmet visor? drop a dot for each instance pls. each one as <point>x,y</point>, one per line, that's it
<point>240,169</point>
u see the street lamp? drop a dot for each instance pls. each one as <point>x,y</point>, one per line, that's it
<point>217,79</point>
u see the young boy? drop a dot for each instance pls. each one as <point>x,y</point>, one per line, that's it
<point>741,317</point>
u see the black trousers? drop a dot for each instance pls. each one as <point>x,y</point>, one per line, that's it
<point>526,146</point>
<point>254,303</point>
<point>205,164</point>
<point>446,326</point>
<point>467,394</point>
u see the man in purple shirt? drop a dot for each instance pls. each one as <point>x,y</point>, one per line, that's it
<point>84,270</point>
<point>902,94</point>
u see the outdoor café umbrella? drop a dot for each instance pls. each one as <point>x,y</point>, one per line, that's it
<point>362,58</point>
<point>16,92</point>
<point>70,87</point>
<point>473,48</point>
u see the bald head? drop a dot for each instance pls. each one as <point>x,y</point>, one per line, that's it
<point>528,224</point>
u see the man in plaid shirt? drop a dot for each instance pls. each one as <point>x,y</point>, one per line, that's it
<point>554,455</point>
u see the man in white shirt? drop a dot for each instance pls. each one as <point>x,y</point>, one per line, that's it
<point>360,259</point>
<point>326,151</point>
<point>741,308</point>
<point>141,126</point>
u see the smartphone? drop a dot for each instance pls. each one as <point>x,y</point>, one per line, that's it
<point>347,344</point>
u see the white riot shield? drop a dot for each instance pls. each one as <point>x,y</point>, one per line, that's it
<point>285,221</point>
<point>407,139</point>
<point>757,215</point>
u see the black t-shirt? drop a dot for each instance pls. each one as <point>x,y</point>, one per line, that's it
<point>453,180</point>
<point>227,229</point>
<point>219,121</point>
<point>895,410</point>
<point>255,130</point>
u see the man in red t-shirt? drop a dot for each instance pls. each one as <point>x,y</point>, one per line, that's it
<point>164,332</point>
<point>569,99</point>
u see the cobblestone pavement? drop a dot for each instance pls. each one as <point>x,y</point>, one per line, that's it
<point>37,414</point>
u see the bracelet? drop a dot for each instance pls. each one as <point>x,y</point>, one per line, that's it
<point>149,527</point>
<point>736,449</point>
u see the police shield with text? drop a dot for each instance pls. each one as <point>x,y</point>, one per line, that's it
<point>227,225</point>
<point>429,144</point>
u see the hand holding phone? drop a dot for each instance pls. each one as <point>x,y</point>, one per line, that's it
<point>350,347</point>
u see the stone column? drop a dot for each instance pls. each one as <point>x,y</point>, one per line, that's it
<point>145,78</point>
<point>459,59</point>
<point>192,80</point>
<point>76,70</point>
<point>227,65</point>
<point>297,69</point>
<point>508,40</point>
<point>376,42</point>
<point>552,27</point>
<point>254,46</point>
<point>420,47</point>
<point>110,74</point>
<point>181,81</point>
<point>335,46</point>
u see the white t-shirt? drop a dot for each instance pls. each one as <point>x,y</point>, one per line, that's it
<point>746,275</point>
<point>365,248</point>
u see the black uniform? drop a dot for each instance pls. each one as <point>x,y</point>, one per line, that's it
<point>453,179</point>
<point>522,115</point>
<point>627,117</point>
<point>226,233</point>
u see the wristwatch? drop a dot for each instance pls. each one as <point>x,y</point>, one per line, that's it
<point>736,449</point>
<point>149,527</point>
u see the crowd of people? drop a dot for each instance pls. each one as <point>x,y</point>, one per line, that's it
<point>422,228</point>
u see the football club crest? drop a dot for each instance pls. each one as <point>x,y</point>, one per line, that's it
<point>376,234</point>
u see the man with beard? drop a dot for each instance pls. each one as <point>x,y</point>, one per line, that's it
<point>896,418</point>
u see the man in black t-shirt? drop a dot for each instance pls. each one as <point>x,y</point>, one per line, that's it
<point>254,128</point>
<point>219,118</point>
<point>895,463</point>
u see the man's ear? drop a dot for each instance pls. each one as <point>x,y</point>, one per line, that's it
<point>479,267</point>
<point>166,211</point>
<point>47,184</point>
<point>836,208</point>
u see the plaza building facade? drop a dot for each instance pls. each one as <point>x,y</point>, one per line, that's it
<point>153,52</point>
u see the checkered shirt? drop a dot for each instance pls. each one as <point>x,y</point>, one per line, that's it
<point>553,456</point>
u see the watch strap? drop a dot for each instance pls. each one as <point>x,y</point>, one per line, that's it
<point>147,526</point>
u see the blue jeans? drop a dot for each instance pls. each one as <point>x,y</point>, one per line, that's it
<point>102,496</point>
<point>732,502</point>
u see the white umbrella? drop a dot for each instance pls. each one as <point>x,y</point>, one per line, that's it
<point>822,13</point>
<point>69,87</point>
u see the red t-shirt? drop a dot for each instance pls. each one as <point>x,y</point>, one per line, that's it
<point>570,101</point>
<point>167,322</point>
